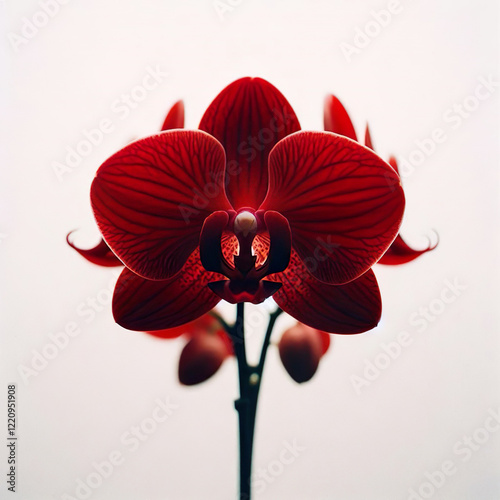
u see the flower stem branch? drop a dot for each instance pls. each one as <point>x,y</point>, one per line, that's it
<point>250,378</point>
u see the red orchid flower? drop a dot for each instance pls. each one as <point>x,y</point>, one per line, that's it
<point>301,349</point>
<point>336,119</point>
<point>200,216</point>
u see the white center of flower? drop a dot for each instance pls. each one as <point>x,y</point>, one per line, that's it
<point>245,222</point>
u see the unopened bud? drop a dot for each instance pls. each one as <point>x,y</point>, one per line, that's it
<point>301,348</point>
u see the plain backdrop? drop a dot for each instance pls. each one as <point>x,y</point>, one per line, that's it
<point>435,403</point>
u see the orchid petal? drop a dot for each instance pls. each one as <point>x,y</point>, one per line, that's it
<point>368,138</point>
<point>150,199</point>
<point>101,254</point>
<point>204,323</point>
<point>175,117</point>
<point>394,164</point>
<point>343,203</point>
<point>336,118</point>
<point>248,118</point>
<point>352,308</point>
<point>168,333</point>
<point>400,253</point>
<point>326,340</point>
<point>145,305</point>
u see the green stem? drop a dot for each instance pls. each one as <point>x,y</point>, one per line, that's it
<point>250,378</point>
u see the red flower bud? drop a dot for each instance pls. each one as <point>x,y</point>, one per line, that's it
<point>201,357</point>
<point>301,348</point>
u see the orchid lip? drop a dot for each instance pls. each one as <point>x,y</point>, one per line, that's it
<point>244,275</point>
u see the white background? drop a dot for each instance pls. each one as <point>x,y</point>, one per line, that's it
<point>375,445</point>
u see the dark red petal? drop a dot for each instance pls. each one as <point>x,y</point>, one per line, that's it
<point>101,254</point>
<point>203,323</point>
<point>400,253</point>
<point>368,138</point>
<point>200,359</point>
<point>236,292</point>
<point>326,340</point>
<point>336,118</point>
<point>300,351</point>
<point>248,117</point>
<point>280,239</point>
<point>168,333</point>
<point>150,199</point>
<point>211,249</point>
<point>343,203</point>
<point>352,308</point>
<point>393,163</point>
<point>146,305</point>
<point>175,117</point>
